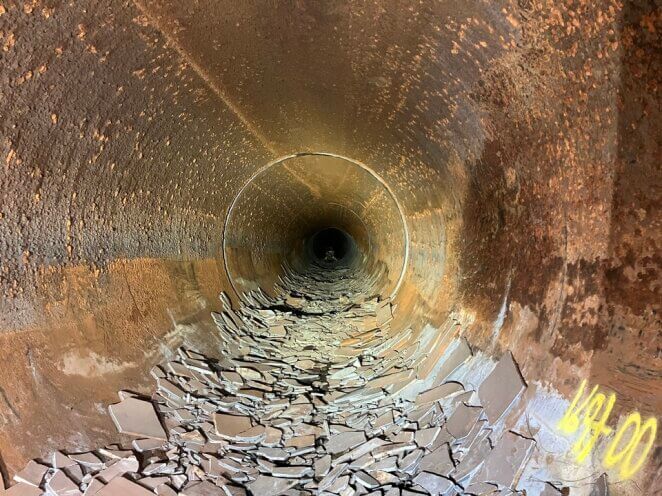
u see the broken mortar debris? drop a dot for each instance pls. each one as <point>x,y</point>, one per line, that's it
<point>303,400</point>
<point>137,417</point>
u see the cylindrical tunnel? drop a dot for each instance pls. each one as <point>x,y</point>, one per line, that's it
<point>290,206</point>
<point>491,166</point>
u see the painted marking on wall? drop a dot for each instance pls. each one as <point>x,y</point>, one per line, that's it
<point>629,447</point>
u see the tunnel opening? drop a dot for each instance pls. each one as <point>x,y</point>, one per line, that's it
<point>332,246</point>
<point>311,211</point>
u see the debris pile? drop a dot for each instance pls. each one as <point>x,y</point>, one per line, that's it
<point>312,393</point>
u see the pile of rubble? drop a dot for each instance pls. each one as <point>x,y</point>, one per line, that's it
<point>313,393</point>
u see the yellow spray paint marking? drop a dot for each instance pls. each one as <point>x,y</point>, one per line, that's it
<point>625,455</point>
<point>591,415</point>
<point>594,427</point>
<point>570,421</point>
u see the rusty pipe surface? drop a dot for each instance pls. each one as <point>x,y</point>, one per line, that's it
<point>513,150</point>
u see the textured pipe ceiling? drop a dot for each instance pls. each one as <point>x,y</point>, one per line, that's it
<point>520,139</point>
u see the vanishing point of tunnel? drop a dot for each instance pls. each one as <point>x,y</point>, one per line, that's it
<point>330,247</point>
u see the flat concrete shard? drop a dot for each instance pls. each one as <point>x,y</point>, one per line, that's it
<point>62,484</point>
<point>22,489</point>
<point>463,419</point>
<point>202,489</point>
<point>123,487</point>
<point>137,417</point>
<point>432,483</point>
<point>505,462</point>
<point>32,474</point>
<point>60,460</point>
<point>440,392</point>
<point>344,441</point>
<point>270,486</point>
<point>501,388</point>
<point>438,461</point>
<point>230,426</point>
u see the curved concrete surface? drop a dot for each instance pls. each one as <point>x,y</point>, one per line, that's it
<point>521,139</point>
<point>287,201</point>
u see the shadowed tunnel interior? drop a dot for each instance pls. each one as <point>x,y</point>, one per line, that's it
<point>331,245</point>
<point>294,207</point>
<point>491,166</point>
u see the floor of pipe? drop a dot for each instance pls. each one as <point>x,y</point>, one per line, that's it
<point>313,393</point>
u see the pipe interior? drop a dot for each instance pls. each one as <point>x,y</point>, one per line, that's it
<point>283,210</point>
<point>491,166</point>
<point>331,246</point>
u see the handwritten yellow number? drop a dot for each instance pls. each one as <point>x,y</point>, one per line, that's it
<point>592,413</point>
<point>625,455</point>
<point>612,457</point>
<point>595,424</point>
<point>570,421</point>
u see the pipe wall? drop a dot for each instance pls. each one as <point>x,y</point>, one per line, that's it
<point>520,138</point>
